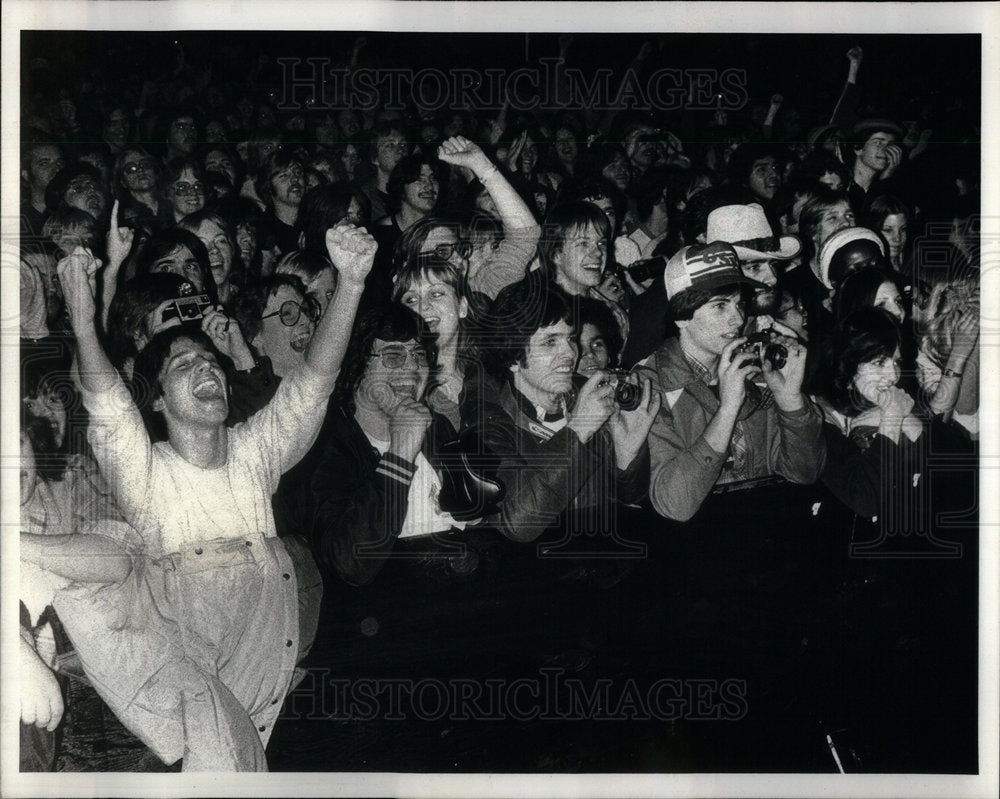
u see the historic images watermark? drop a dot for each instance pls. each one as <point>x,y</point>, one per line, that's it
<point>548,696</point>
<point>315,83</point>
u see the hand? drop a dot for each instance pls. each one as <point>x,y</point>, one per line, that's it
<point>734,371</point>
<point>964,338</point>
<point>894,152</point>
<point>629,429</point>
<point>499,125</point>
<point>41,699</point>
<point>855,54</point>
<point>459,151</point>
<point>894,405</point>
<point>514,153</point>
<point>777,100</point>
<point>228,338</point>
<point>119,240</point>
<point>408,424</point>
<point>594,405</point>
<point>78,278</point>
<point>352,250</point>
<point>786,383</point>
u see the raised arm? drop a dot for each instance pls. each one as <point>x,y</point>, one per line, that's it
<point>119,244</point>
<point>352,251</point>
<point>459,151</point>
<point>78,278</point>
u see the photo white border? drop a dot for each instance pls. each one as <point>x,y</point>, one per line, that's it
<point>386,15</point>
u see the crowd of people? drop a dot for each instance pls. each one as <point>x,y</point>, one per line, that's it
<point>259,346</point>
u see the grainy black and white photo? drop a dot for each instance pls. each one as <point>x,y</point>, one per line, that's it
<point>442,397</point>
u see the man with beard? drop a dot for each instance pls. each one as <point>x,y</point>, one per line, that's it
<point>280,184</point>
<point>762,255</point>
<point>716,426</point>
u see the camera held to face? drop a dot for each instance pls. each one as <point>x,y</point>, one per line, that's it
<point>187,309</point>
<point>763,345</point>
<point>627,395</point>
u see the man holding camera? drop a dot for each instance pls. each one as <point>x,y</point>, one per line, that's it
<point>561,445</point>
<point>716,426</point>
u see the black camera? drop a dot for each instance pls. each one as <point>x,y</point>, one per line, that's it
<point>763,344</point>
<point>627,395</point>
<point>646,268</point>
<point>187,309</point>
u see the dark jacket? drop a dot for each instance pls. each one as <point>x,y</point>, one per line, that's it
<point>348,501</point>
<point>545,475</point>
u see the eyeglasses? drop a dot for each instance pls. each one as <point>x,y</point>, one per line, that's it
<point>395,357</point>
<point>290,311</point>
<point>444,251</point>
<point>145,165</point>
<point>81,186</point>
<point>184,189</point>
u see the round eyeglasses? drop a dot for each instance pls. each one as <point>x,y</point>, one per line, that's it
<point>395,357</point>
<point>444,251</point>
<point>145,165</point>
<point>290,311</point>
<point>184,189</point>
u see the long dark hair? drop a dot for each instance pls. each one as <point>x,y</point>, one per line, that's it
<point>861,337</point>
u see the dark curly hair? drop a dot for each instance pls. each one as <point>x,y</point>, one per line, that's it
<point>248,307</point>
<point>861,337</point>
<point>598,314</point>
<point>517,313</point>
<point>388,323</point>
<point>146,384</point>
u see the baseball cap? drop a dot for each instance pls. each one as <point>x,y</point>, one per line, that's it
<point>704,266</point>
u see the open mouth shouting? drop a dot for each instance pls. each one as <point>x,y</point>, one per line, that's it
<point>300,341</point>
<point>209,388</point>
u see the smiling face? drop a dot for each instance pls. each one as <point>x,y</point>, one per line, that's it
<point>284,344</point>
<point>579,265</point>
<point>873,377</point>
<point>438,305</point>
<point>186,194</point>
<point>384,385</point>
<point>220,250</point>
<point>873,153</point>
<point>421,194</point>
<point>194,387</point>
<point>594,353</point>
<point>713,326</point>
<point>549,364</point>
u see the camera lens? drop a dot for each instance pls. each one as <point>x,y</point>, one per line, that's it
<point>628,396</point>
<point>777,355</point>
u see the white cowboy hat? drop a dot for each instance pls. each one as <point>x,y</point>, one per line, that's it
<point>746,228</point>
